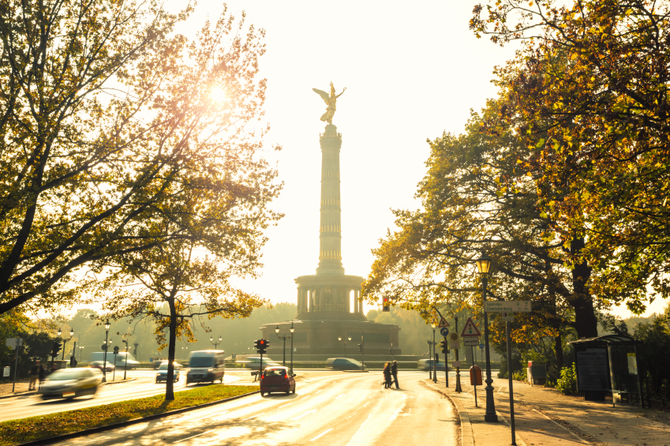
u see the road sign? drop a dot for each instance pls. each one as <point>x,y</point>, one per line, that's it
<point>508,317</point>
<point>470,329</point>
<point>13,342</point>
<point>454,341</point>
<point>510,306</point>
<point>481,346</point>
<point>5,372</point>
<point>456,364</point>
<point>443,322</point>
<point>471,341</point>
<point>444,331</point>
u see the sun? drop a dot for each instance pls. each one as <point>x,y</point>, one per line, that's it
<point>218,94</point>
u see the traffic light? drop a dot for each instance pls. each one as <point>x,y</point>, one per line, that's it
<point>444,346</point>
<point>261,345</point>
<point>386,306</point>
<point>56,348</point>
<point>116,350</point>
<point>360,347</point>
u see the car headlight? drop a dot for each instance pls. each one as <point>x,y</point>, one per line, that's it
<point>210,370</point>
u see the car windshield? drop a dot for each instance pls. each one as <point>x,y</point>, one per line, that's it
<point>64,375</point>
<point>201,361</point>
<point>275,372</point>
<point>164,366</point>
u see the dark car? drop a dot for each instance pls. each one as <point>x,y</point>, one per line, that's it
<point>343,364</point>
<point>99,365</point>
<point>162,374</point>
<point>71,383</point>
<point>277,379</point>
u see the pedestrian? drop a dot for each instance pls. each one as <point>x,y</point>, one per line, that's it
<point>394,372</point>
<point>387,375</point>
<point>41,375</point>
<point>34,375</point>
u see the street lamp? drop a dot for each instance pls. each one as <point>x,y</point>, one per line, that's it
<point>483,266</point>
<point>292,330</point>
<point>434,326</point>
<point>284,338</point>
<point>60,332</point>
<point>215,343</point>
<point>104,362</point>
<point>81,352</point>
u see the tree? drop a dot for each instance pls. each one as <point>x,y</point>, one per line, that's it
<point>477,198</point>
<point>211,222</point>
<point>593,79</point>
<point>102,117</point>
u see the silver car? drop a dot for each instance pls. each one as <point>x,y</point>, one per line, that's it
<point>71,383</point>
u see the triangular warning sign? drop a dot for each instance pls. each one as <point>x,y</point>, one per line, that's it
<point>443,323</point>
<point>470,329</point>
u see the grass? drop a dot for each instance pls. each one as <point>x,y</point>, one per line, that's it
<point>34,428</point>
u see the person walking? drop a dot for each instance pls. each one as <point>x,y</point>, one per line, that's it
<point>387,375</point>
<point>394,372</point>
<point>41,375</point>
<point>34,375</point>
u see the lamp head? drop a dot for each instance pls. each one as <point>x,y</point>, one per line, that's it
<point>71,332</point>
<point>339,338</point>
<point>484,264</point>
<point>60,332</point>
<point>291,329</point>
<point>107,325</point>
<point>277,329</point>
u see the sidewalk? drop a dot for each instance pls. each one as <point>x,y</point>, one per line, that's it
<point>546,417</point>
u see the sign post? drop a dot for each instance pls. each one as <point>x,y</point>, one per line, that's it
<point>511,392</point>
<point>14,343</point>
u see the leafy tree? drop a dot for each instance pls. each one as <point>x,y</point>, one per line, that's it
<point>105,111</point>
<point>592,79</point>
<point>656,338</point>
<point>477,198</point>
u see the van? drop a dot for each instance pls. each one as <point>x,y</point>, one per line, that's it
<point>121,362</point>
<point>205,366</point>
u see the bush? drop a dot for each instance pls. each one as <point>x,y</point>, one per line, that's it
<point>520,375</point>
<point>567,383</point>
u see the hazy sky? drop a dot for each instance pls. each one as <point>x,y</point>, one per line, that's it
<point>412,71</point>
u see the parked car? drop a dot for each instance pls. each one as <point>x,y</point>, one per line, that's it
<point>343,364</point>
<point>71,383</point>
<point>425,364</point>
<point>121,360</point>
<point>277,379</point>
<point>206,366</point>
<point>254,363</point>
<point>162,374</point>
<point>99,365</point>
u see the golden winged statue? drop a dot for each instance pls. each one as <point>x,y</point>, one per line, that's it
<point>330,100</point>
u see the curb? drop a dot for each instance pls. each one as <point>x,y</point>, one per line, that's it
<point>467,437</point>
<point>98,429</point>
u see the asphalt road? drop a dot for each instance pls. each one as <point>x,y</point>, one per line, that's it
<point>143,386</point>
<point>328,408</point>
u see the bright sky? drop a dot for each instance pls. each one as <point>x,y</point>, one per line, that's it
<point>411,73</point>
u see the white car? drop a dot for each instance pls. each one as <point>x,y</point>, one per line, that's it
<point>71,383</point>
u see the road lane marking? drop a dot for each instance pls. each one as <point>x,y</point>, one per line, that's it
<point>303,415</point>
<point>193,436</point>
<point>337,398</point>
<point>366,404</point>
<point>254,416</point>
<point>321,434</point>
<point>284,405</point>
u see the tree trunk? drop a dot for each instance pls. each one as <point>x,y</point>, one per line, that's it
<point>586,323</point>
<point>558,345</point>
<point>169,387</point>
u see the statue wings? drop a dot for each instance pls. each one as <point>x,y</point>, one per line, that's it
<point>325,96</point>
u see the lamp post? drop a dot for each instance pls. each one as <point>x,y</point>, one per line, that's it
<point>125,365</point>
<point>104,362</point>
<point>434,326</point>
<point>292,330</point>
<point>81,352</point>
<point>284,338</point>
<point>65,341</point>
<point>483,266</point>
<point>215,343</point>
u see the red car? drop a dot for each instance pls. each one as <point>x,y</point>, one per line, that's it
<point>99,365</point>
<point>277,379</point>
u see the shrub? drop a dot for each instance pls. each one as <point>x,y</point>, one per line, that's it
<point>520,375</point>
<point>567,383</point>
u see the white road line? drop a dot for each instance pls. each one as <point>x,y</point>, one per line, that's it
<point>366,404</point>
<point>303,415</point>
<point>395,415</point>
<point>284,405</point>
<point>321,434</point>
<point>337,398</point>
<point>254,416</point>
<point>563,427</point>
<point>188,438</point>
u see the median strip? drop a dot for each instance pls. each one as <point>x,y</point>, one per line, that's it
<point>25,430</point>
